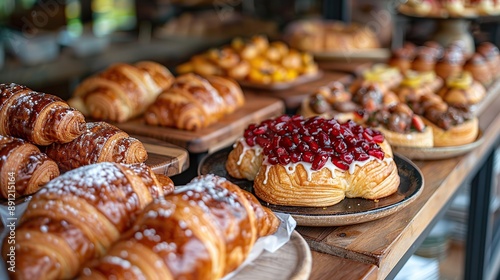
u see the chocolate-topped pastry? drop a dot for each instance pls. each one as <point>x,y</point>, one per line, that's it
<point>425,60</point>
<point>450,64</point>
<point>479,69</point>
<point>402,59</point>
<point>492,55</point>
<point>436,47</point>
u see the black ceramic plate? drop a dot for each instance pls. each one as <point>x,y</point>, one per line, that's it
<point>348,211</point>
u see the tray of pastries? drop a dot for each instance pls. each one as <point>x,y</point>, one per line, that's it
<point>321,171</point>
<point>257,63</point>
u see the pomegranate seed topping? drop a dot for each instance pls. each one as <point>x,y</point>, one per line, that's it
<point>259,131</point>
<point>263,142</point>
<point>378,138</point>
<point>348,158</point>
<point>377,153</point>
<point>340,164</point>
<point>276,141</point>
<point>250,141</point>
<point>340,146</point>
<point>313,146</point>
<point>319,161</point>
<point>296,139</point>
<point>307,138</point>
<point>308,157</point>
<point>361,156</point>
<point>283,118</point>
<point>303,147</point>
<point>295,157</point>
<point>367,136</point>
<point>284,159</point>
<point>272,160</point>
<point>287,143</point>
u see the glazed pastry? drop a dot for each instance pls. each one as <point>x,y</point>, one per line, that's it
<point>77,216</point>
<point>436,48</point>
<point>462,90</point>
<point>401,59</point>
<point>331,101</point>
<point>210,223</point>
<point>194,102</point>
<point>479,69</point>
<point>416,84</point>
<point>37,117</point>
<point>450,64</point>
<point>122,91</point>
<point>425,60</point>
<point>381,75</point>
<point>301,162</point>
<point>492,56</point>
<point>401,126</point>
<point>23,168</point>
<point>372,98</point>
<point>101,142</point>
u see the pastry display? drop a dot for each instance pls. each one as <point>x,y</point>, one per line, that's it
<point>449,8</point>
<point>194,102</point>
<point>326,36</point>
<point>37,117</point>
<point>317,162</point>
<point>23,168</point>
<point>450,64</point>
<point>122,91</point>
<point>401,126</point>
<point>479,69</point>
<point>255,60</point>
<point>210,223</point>
<point>100,142</point>
<point>462,90</point>
<point>451,125</point>
<point>78,216</point>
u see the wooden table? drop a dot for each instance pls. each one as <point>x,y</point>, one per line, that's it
<point>378,249</point>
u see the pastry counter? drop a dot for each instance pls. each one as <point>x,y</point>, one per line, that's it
<point>378,249</point>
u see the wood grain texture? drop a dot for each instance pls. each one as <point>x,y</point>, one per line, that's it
<point>340,268</point>
<point>383,242</point>
<point>355,67</point>
<point>163,157</point>
<point>216,136</point>
<point>293,97</point>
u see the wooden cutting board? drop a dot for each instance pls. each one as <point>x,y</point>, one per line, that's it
<point>163,157</point>
<point>293,97</point>
<point>217,135</point>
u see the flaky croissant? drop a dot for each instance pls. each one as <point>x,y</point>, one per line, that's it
<point>194,102</point>
<point>77,216</point>
<point>122,91</point>
<point>37,117</point>
<point>23,168</point>
<point>203,230</point>
<point>101,142</point>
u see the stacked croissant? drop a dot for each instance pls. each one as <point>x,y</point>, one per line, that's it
<point>32,122</point>
<point>194,102</point>
<point>115,221</point>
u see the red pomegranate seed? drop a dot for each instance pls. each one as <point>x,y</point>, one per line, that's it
<point>261,141</point>
<point>378,138</point>
<point>303,147</point>
<point>340,146</point>
<point>259,131</point>
<point>340,164</point>
<point>296,139</point>
<point>272,160</point>
<point>361,156</point>
<point>295,157</point>
<point>308,157</point>
<point>319,161</point>
<point>286,142</point>
<point>377,153</point>
<point>348,158</point>
<point>313,146</point>
<point>276,141</point>
<point>250,141</point>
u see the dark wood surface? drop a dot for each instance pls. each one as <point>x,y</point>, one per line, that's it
<point>384,242</point>
<point>293,97</point>
<point>216,136</point>
<point>355,67</point>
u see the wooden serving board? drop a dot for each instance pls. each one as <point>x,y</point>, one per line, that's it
<point>217,135</point>
<point>163,157</point>
<point>293,97</point>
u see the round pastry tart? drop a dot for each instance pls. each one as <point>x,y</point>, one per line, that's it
<point>297,161</point>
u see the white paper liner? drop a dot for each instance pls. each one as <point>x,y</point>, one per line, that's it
<point>269,243</point>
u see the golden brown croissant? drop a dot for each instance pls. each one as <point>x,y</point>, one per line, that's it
<point>122,91</point>
<point>101,142</point>
<point>314,162</point>
<point>203,230</point>
<point>194,102</point>
<point>77,216</point>
<point>37,117</point>
<point>23,168</point>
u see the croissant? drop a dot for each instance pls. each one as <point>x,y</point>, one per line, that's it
<point>101,142</point>
<point>314,162</point>
<point>203,230</point>
<point>77,216</point>
<point>37,117</point>
<point>122,91</point>
<point>23,168</point>
<point>194,102</point>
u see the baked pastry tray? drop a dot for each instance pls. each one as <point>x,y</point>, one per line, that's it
<point>348,211</point>
<point>282,85</point>
<point>220,134</point>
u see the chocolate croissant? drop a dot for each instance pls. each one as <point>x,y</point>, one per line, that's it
<point>122,91</point>
<point>77,216</point>
<point>203,230</point>
<point>101,142</point>
<point>37,117</point>
<point>23,168</point>
<point>194,102</point>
